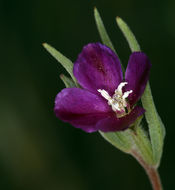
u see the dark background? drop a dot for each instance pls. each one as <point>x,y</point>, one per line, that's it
<point>37,151</point>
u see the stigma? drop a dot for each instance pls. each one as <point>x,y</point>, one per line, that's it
<point>118,101</point>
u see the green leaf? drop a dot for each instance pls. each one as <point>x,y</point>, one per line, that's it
<point>132,139</point>
<point>102,31</point>
<point>156,127</point>
<point>143,145</point>
<point>121,140</point>
<point>134,46</point>
<point>65,62</point>
<point>69,83</point>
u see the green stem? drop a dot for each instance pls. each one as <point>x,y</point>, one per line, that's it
<point>151,171</point>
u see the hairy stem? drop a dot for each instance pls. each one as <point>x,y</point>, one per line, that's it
<point>151,171</point>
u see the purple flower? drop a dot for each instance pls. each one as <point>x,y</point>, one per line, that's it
<point>106,101</point>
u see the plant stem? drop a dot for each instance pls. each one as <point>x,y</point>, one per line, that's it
<point>151,171</point>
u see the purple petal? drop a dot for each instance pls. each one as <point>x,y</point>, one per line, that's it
<point>81,108</point>
<point>112,123</point>
<point>98,67</point>
<point>137,74</point>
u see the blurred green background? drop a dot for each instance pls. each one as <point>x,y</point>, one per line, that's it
<point>37,151</point>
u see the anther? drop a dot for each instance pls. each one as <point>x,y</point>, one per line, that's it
<point>118,101</point>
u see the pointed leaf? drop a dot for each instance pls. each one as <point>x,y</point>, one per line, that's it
<point>143,145</point>
<point>121,140</point>
<point>134,46</point>
<point>69,83</point>
<point>156,127</point>
<point>65,62</point>
<point>102,31</point>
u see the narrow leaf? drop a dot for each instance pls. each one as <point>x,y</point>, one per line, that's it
<point>69,83</point>
<point>102,31</point>
<point>121,140</point>
<point>143,145</point>
<point>65,62</point>
<point>156,127</point>
<point>134,46</point>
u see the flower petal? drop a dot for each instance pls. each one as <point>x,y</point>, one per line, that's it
<point>112,123</point>
<point>98,67</point>
<point>137,74</point>
<point>81,108</point>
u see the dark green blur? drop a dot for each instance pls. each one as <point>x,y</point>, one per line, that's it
<point>37,150</point>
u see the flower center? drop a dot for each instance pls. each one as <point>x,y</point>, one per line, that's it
<point>118,101</point>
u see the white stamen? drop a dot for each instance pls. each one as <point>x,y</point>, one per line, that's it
<point>104,94</point>
<point>118,101</point>
<point>115,107</point>
<point>126,94</point>
<point>120,86</point>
